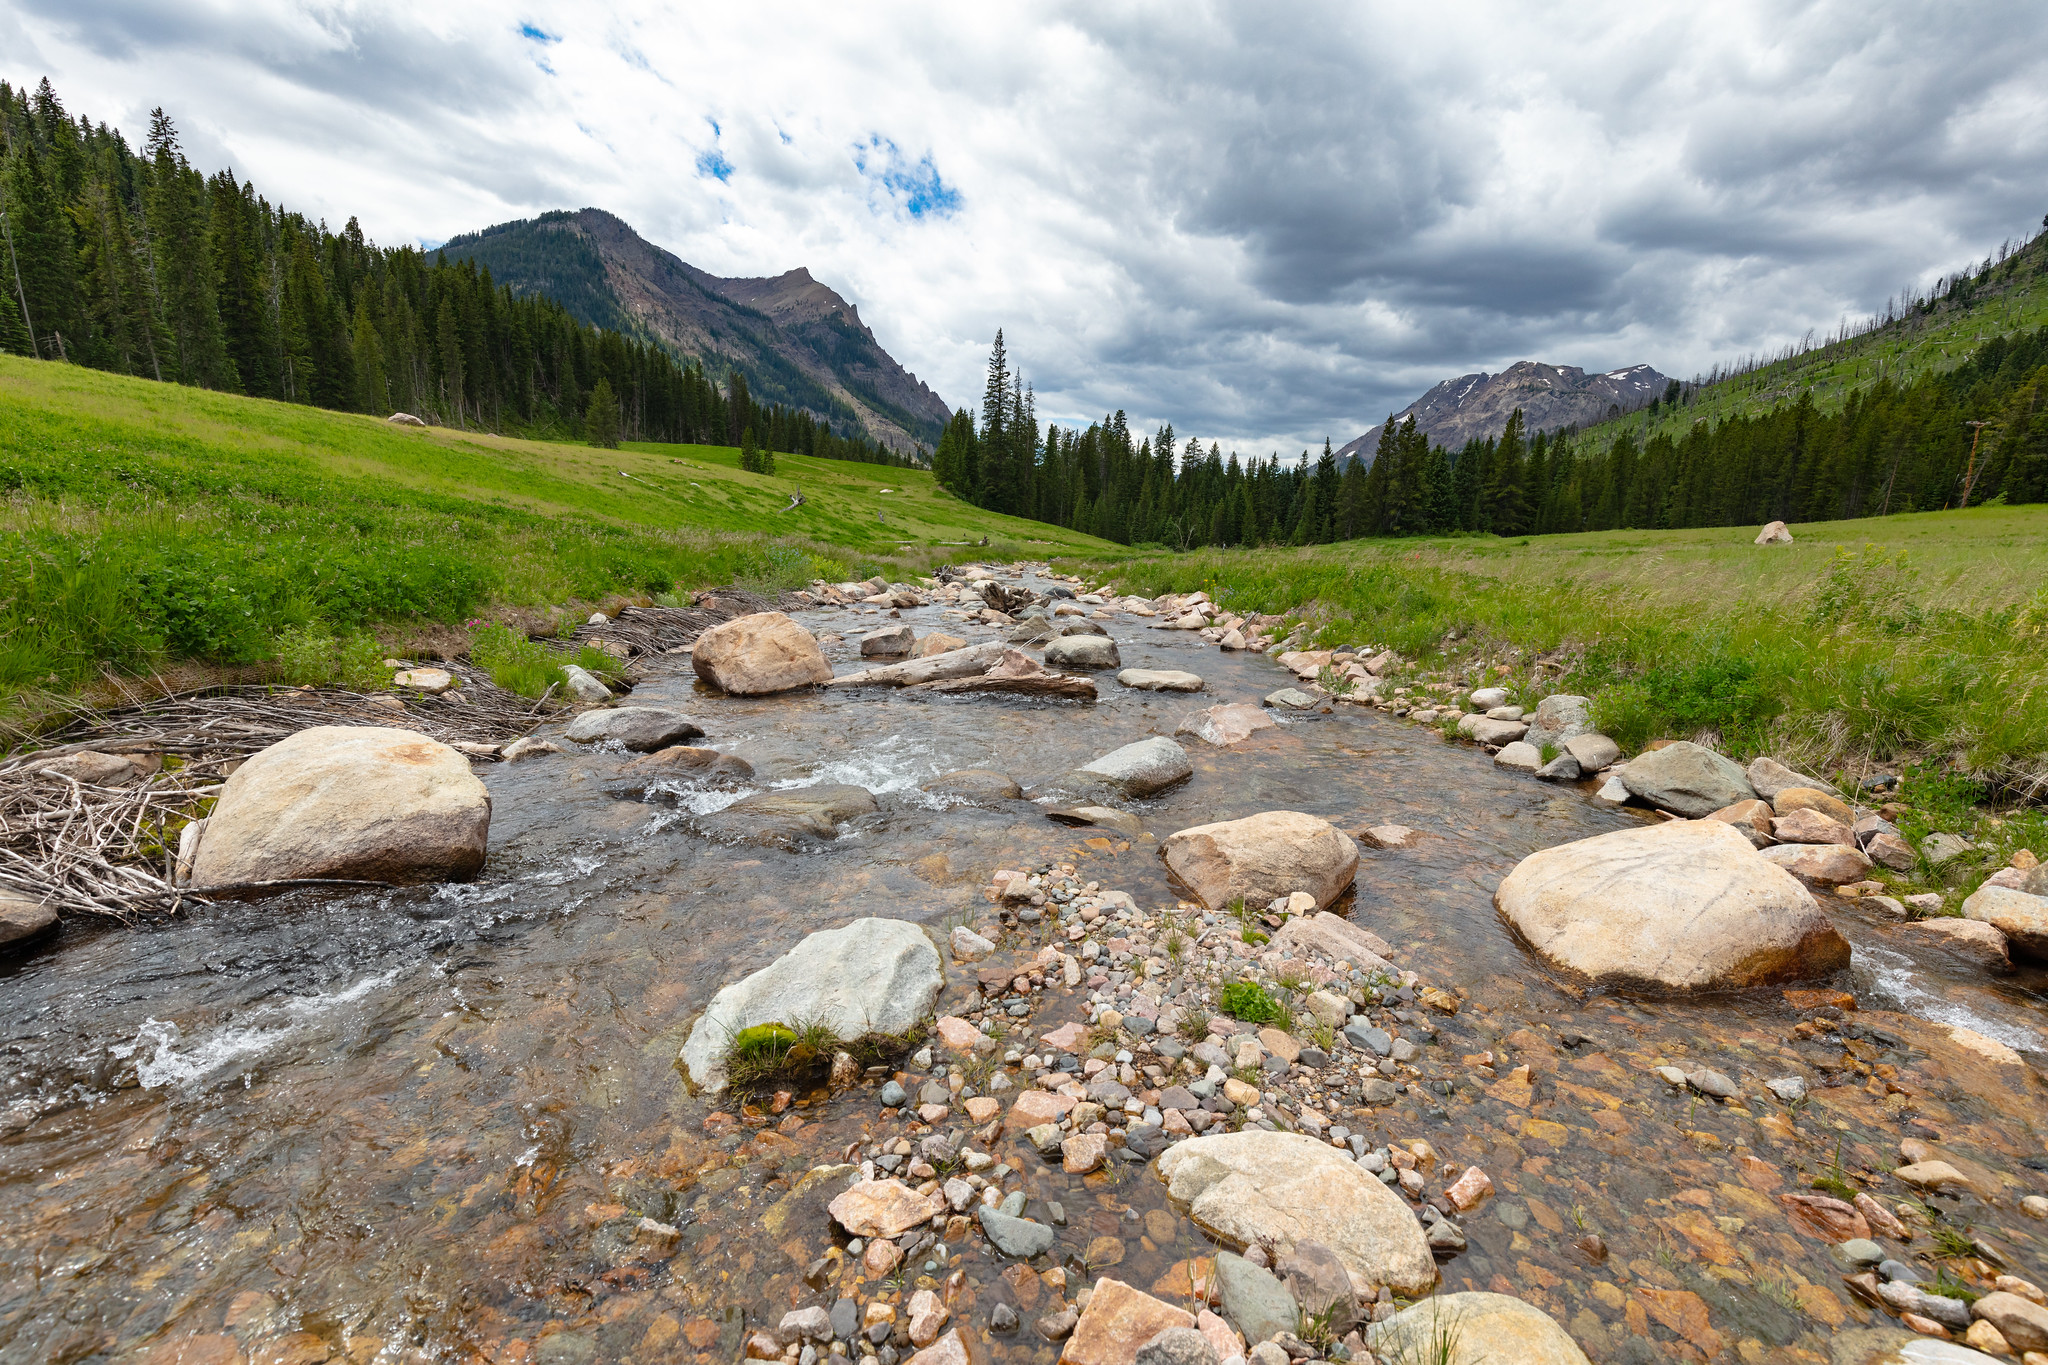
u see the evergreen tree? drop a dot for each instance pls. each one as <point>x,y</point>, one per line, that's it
<point>183,264</point>
<point>367,351</point>
<point>45,260</point>
<point>601,421</point>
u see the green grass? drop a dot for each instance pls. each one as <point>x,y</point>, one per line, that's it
<point>147,523</point>
<point>1863,645</point>
<point>1247,1000</point>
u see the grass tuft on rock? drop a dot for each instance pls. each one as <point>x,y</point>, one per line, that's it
<point>1247,1000</point>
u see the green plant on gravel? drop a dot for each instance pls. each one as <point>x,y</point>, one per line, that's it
<point>1247,1000</point>
<point>1335,683</point>
<point>1289,979</point>
<point>1192,1026</point>
<point>1946,1285</point>
<point>1323,1036</point>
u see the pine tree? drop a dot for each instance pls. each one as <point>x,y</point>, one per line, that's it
<point>992,486</point>
<point>184,265</point>
<point>367,350</point>
<point>45,260</point>
<point>601,419</point>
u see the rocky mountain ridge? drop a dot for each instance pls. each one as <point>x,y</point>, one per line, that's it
<point>1550,396</point>
<point>797,340</point>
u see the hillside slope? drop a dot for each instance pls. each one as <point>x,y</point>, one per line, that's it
<point>1550,396</point>
<point>797,341</point>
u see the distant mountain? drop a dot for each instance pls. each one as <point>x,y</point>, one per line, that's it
<point>1550,396</point>
<point>797,341</point>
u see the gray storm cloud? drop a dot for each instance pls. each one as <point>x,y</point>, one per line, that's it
<point>1265,224</point>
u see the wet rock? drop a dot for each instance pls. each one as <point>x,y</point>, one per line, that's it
<point>1484,730</point>
<point>22,919</point>
<point>1223,726</point>
<point>1790,1089</point>
<point>1321,1285</point>
<point>1930,1175</point>
<point>763,653</point>
<point>1593,750</point>
<point>1178,1346</point>
<point>976,786</point>
<point>1254,1186</point>
<point>1057,1326</point>
<point>1686,905</point>
<point>812,1323</point>
<point>882,1208</point>
<point>1714,1084</point>
<point>1475,1327</point>
<point>1083,1153</point>
<point>2024,1324</point>
<point>1388,836</point>
<point>1831,1220</point>
<point>1085,653</point>
<point>845,1319</point>
<point>1466,1192</point>
<point>968,946</point>
<point>1002,1318</point>
<point>354,802</point>
<point>525,747</point>
<point>1159,680</point>
<point>1289,699</point>
<point>1117,1322</point>
<point>927,1316</point>
<point>788,818</point>
<point>1613,792</point>
<point>1105,817</point>
<point>1262,857</point>
<point>1445,1238</point>
<point>893,1095</point>
<point>1141,769</point>
<point>583,686</point>
<point>1819,864</point>
<point>1254,1298</point>
<point>2022,918</point>
<point>1521,757</point>
<point>934,643</point>
<point>642,729</point>
<point>871,976</point>
<point>947,1350</point>
<point>1686,778</point>
<point>1976,941</point>
<point>1558,718</point>
<point>683,761</point>
<point>1858,1253</point>
<point>1014,1236</point>
<point>1563,768</point>
<point>889,642</point>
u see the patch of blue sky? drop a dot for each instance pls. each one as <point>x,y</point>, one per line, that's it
<point>915,186</point>
<point>714,164</point>
<point>538,34</point>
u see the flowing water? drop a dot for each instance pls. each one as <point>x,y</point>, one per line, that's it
<point>403,1125</point>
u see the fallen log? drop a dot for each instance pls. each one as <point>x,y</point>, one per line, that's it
<point>1027,685</point>
<point>954,663</point>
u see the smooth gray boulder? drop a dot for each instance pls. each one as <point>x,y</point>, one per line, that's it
<point>1083,628</point>
<point>1018,1237</point>
<point>1255,1299</point>
<point>643,729</point>
<point>1685,905</point>
<point>1159,680</point>
<point>1484,730</point>
<point>1141,769</point>
<point>1089,653</point>
<point>1289,699</point>
<point>1520,756</point>
<point>1474,1327</point>
<point>873,976</point>
<point>1769,777</point>
<point>358,803</point>
<point>1280,1189</point>
<point>1563,768</point>
<point>1687,778</point>
<point>1593,750</point>
<point>1558,718</point>
<point>788,818</point>
<point>584,686</point>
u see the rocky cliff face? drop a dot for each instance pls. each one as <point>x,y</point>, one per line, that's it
<point>797,341</point>
<point>1550,396</point>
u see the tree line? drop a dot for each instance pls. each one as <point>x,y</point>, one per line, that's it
<point>136,263</point>
<point>1892,448</point>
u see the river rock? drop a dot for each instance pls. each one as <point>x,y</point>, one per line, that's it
<point>2036,883</point>
<point>878,976</point>
<point>1486,698</point>
<point>1102,817</point>
<point>1820,864</point>
<point>1687,778</point>
<point>1159,680</point>
<point>934,643</point>
<point>1337,938</point>
<point>2022,1322</point>
<point>1117,1321</point>
<point>1807,826</point>
<point>1791,799</point>
<point>1289,699</point>
<point>22,918</point>
<point>1178,1346</point>
<point>1521,757</point>
<point>1892,851</point>
<point>1224,725</point>
<point>1261,858</point>
<point>1087,653</point>
<point>882,1208</point>
<point>1321,1284</point>
<point>1278,1189</point>
<point>1593,750</point>
<point>890,642</point>
<point>1255,1300</point>
<point>752,655</point>
<point>1978,941</point>
<point>1083,628</point>
<point>1944,848</point>
<point>975,786</point>
<point>583,685</point>
<point>2023,919</point>
<point>681,760</point>
<point>1769,777</point>
<point>1752,818</point>
<point>642,729</point>
<point>788,818</point>
<point>1558,718</point>
<point>1483,730</point>
<point>1140,769</point>
<point>1685,905</point>
<point>352,802</point>
<point>1466,1329</point>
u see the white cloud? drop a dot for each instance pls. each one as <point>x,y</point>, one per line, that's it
<point>1266,224</point>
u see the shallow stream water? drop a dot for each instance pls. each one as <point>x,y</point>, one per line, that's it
<point>396,1126</point>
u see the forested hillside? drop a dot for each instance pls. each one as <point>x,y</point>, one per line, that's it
<point>138,264</point>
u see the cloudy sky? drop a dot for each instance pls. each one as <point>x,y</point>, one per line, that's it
<point>1268,224</point>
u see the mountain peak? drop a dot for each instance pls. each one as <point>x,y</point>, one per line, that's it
<point>1550,396</point>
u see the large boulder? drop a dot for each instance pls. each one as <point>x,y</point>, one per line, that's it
<point>1686,905</point>
<point>765,652</point>
<point>2022,918</point>
<point>358,803</point>
<point>888,642</point>
<point>1774,533</point>
<point>643,729</point>
<point>1087,653</point>
<point>790,817</point>
<point>23,918</point>
<point>1281,1189</point>
<point>1225,725</point>
<point>1465,1329</point>
<point>873,976</point>
<point>1687,778</point>
<point>1261,858</point>
<point>1141,768</point>
<point>1560,717</point>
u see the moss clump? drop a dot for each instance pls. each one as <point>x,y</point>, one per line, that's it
<point>1247,1000</point>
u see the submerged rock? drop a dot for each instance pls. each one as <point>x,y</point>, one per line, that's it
<point>1224,725</point>
<point>1687,905</point>
<point>351,802</point>
<point>975,786</point>
<point>790,817</point>
<point>1279,1189</point>
<point>1159,680</point>
<point>1687,778</point>
<point>1261,858</point>
<point>879,976</point>
<point>642,729</point>
<point>1465,1329</point>
<point>1141,769</point>
<point>681,760</point>
<point>763,653</point>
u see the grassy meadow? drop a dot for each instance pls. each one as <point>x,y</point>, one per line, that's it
<point>147,523</point>
<point>1864,645</point>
